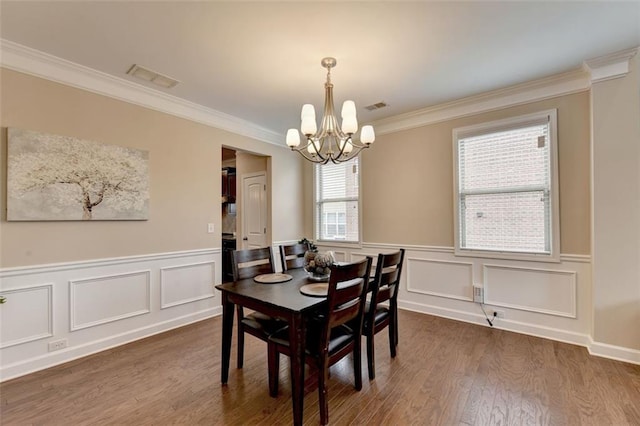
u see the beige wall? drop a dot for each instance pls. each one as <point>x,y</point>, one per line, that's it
<point>616,209</point>
<point>407,178</point>
<point>185,161</point>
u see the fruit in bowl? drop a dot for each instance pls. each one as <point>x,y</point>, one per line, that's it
<point>318,264</point>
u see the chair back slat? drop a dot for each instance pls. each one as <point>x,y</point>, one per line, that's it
<point>252,262</point>
<point>292,256</point>
<point>387,277</point>
<point>346,296</point>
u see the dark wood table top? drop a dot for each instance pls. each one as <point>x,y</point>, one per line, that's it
<point>284,295</point>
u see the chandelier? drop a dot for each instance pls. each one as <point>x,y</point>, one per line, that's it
<point>332,142</point>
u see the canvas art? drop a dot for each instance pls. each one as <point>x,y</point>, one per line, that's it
<point>52,177</point>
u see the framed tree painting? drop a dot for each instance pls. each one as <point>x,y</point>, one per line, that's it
<point>52,177</point>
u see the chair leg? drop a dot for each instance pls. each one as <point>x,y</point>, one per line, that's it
<point>357,363</point>
<point>323,378</point>
<point>393,330</point>
<point>240,360</point>
<point>395,322</point>
<point>392,339</point>
<point>274,369</point>
<point>371,357</point>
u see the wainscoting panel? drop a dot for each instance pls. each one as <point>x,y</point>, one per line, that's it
<point>440,278</point>
<point>538,290</point>
<point>93,305</point>
<point>186,283</point>
<point>551,300</point>
<point>26,315</point>
<point>340,255</point>
<point>100,300</point>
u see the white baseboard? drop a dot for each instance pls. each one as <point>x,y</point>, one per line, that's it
<point>501,324</point>
<point>618,353</point>
<point>597,349</point>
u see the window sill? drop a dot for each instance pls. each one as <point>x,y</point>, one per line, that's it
<point>339,243</point>
<point>489,254</point>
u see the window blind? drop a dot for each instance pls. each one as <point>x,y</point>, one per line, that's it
<point>504,184</point>
<point>336,199</point>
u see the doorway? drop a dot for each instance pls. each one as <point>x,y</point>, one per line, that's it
<point>229,211</point>
<point>245,222</point>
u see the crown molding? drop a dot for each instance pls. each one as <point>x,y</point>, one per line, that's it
<point>30,61</point>
<point>610,66</point>
<point>34,62</point>
<point>535,90</point>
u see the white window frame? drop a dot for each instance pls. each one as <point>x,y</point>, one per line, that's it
<point>554,197</point>
<point>316,210</point>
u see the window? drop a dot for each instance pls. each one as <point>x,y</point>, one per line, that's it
<point>506,187</point>
<point>335,223</point>
<point>336,201</point>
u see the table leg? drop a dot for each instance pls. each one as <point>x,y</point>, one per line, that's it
<point>227,332</point>
<point>297,346</point>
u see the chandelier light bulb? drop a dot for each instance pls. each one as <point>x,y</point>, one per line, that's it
<point>308,111</point>
<point>350,124</point>
<point>293,138</point>
<point>367,135</point>
<point>308,125</point>
<point>348,109</point>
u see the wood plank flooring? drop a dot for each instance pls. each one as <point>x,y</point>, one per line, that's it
<point>446,373</point>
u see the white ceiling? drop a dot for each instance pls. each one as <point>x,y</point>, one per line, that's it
<point>260,61</point>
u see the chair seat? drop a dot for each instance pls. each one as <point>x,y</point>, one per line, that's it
<point>258,323</point>
<point>340,337</point>
<point>381,314</point>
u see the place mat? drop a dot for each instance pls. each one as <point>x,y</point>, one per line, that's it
<point>272,278</point>
<point>315,289</point>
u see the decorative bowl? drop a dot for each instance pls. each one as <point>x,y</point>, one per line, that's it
<point>318,265</point>
<point>318,277</point>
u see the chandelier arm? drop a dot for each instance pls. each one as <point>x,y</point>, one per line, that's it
<point>318,145</point>
<point>352,154</point>
<point>315,159</point>
<point>341,147</point>
<point>303,150</point>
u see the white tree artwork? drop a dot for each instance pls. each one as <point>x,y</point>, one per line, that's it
<point>52,177</point>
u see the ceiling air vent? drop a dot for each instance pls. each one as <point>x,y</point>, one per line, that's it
<point>375,106</point>
<point>152,76</point>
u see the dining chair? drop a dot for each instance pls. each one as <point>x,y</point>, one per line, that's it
<point>378,314</point>
<point>292,256</point>
<point>248,264</point>
<point>329,338</point>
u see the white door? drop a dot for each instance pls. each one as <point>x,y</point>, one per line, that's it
<point>254,211</point>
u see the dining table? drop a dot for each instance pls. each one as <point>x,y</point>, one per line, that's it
<point>282,300</point>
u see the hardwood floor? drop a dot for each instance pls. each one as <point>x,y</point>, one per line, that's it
<point>446,373</point>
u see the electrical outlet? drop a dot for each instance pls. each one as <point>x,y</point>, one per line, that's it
<point>478,294</point>
<point>498,314</point>
<point>57,345</point>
